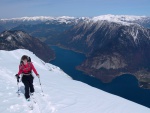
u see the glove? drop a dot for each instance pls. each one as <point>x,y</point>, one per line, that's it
<point>38,75</point>
<point>17,77</point>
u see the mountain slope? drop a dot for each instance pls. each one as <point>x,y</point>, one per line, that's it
<point>112,49</point>
<point>45,30</point>
<point>124,19</point>
<point>61,93</point>
<point>1,28</point>
<point>10,40</point>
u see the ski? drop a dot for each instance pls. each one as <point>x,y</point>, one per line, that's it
<point>18,92</point>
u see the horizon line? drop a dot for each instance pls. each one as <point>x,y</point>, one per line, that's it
<point>73,16</point>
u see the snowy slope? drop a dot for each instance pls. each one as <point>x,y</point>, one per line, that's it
<point>62,94</point>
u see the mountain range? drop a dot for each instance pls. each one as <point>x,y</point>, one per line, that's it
<point>114,44</point>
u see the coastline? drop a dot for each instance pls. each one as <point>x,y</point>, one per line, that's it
<point>109,80</point>
<point>63,47</point>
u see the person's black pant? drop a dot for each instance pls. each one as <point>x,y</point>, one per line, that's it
<point>28,83</point>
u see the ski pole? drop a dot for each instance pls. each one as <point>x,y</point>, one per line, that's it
<point>41,86</point>
<point>18,89</point>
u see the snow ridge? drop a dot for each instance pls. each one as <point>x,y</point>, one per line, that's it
<point>61,19</point>
<point>124,19</point>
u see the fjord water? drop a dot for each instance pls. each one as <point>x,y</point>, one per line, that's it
<point>125,86</point>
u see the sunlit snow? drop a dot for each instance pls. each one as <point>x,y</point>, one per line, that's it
<point>61,93</point>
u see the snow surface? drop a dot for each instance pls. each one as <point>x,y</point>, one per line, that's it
<point>61,93</point>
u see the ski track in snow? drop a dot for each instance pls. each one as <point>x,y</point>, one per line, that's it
<point>10,96</point>
<point>61,93</point>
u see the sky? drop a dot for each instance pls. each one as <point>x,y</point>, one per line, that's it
<point>75,8</point>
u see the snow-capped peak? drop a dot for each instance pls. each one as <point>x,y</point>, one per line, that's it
<point>61,19</point>
<point>118,17</point>
<point>42,18</point>
<point>124,19</point>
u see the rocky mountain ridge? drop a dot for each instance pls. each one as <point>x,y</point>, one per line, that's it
<point>123,19</point>
<point>112,49</point>
<point>10,40</point>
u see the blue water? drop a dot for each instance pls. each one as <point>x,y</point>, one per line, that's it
<point>125,86</point>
